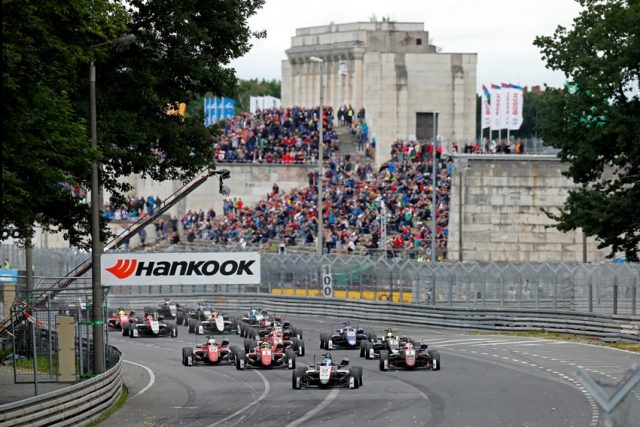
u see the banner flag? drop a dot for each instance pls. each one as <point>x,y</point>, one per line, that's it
<point>485,121</point>
<point>516,100</point>
<point>504,114</point>
<point>216,109</point>
<point>496,107</point>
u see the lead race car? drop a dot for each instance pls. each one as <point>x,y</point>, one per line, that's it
<point>151,325</point>
<point>266,356</point>
<point>409,357</point>
<point>211,353</point>
<point>346,337</point>
<point>327,374</point>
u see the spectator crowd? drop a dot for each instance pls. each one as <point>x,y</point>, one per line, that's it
<point>352,214</point>
<point>283,135</point>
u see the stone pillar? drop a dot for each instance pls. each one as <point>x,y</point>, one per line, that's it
<point>358,82</point>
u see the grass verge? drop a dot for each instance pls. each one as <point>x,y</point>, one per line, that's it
<point>635,347</point>
<point>113,408</point>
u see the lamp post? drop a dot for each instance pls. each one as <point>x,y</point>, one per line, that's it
<point>320,152</point>
<point>433,193</point>
<point>96,244</point>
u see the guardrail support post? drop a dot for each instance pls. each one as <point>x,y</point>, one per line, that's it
<point>615,294</point>
<point>634,293</point>
<point>590,294</point>
<point>555,292</point>
<point>451,279</point>
<point>501,290</point>
<point>484,290</point>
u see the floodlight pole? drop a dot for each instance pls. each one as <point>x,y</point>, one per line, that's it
<point>320,153</point>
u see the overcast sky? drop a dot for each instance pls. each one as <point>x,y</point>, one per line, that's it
<point>501,32</point>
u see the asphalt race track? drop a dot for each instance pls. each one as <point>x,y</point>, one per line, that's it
<point>485,381</point>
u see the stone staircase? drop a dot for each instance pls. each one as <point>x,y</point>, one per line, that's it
<point>348,145</point>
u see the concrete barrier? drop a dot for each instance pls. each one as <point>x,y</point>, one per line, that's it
<point>613,327</point>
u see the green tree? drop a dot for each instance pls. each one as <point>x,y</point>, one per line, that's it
<point>181,50</point>
<point>253,87</point>
<point>596,126</point>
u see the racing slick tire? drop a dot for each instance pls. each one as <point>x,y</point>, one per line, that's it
<point>197,326</point>
<point>174,330</point>
<point>187,356</point>
<point>371,336</point>
<point>329,344</point>
<point>368,350</point>
<point>298,346</point>
<point>435,359</point>
<point>384,360</point>
<point>240,359</point>
<point>243,330</point>
<point>357,371</point>
<point>191,326</point>
<point>296,378</point>
<point>252,332</point>
<point>323,340</point>
<point>363,345</point>
<point>180,317</point>
<point>249,345</point>
<point>125,330</point>
<point>297,332</point>
<point>291,358</point>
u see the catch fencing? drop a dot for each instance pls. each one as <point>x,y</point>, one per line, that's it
<point>589,288</point>
<point>605,288</point>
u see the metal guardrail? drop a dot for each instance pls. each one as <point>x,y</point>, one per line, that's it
<point>611,327</point>
<point>78,404</point>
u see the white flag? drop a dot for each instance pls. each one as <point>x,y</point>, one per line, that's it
<point>516,100</point>
<point>485,120</point>
<point>496,107</point>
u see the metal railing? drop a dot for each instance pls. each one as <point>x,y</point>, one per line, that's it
<point>75,405</point>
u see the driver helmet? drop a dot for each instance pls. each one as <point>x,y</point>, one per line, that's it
<point>264,345</point>
<point>326,361</point>
<point>389,333</point>
<point>211,341</point>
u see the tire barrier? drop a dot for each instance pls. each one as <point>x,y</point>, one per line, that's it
<point>610,327</point>
<point>78,404</point>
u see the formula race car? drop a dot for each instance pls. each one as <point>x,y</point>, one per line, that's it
<point>211,353</point>
<point>152,325</point>
<point>265,356</point>
<point>216,323</point>
<point>170,310</point>
<point>119,320</point>
<point>409,357</point>
<point>276,337</point>
<point>200,312</point>
<point>254,316</point>
<point>328,374</point>
<point>389,342</point>
<point>346,337</point>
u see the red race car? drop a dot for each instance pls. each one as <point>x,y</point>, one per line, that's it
<point>276,337</point>
<point>265,356</point>
<point>409,357</point>
<point>211,353</point>
<point>120,320</point>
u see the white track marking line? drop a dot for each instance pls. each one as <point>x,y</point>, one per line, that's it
<point>152,377</point>
<point>267,389</point>
<point>327,400</point>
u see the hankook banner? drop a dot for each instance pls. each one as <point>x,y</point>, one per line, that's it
<point>180,268</point>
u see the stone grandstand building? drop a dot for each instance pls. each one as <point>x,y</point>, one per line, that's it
<point>393,71</point>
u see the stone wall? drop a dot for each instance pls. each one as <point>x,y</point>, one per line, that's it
<point>503,197</point>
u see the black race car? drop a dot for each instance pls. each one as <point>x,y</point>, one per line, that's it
<point>327,374</point>
<point>151,325</point>
<point>389,342</point>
